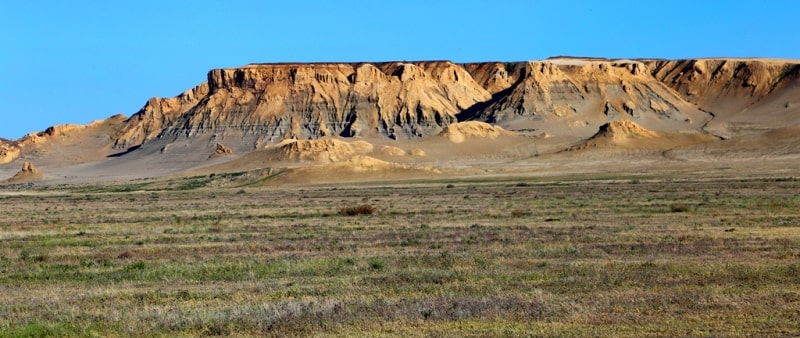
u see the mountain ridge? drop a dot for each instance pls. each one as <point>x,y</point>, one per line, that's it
<point>565,99</point>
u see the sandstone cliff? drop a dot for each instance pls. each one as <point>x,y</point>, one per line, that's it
<point>576,93</point>
<point>9,151</point>
<point>744,95</point>
<point>401,100</point>
<point>725,84</point>
<point>279,101</point>
<point>560,100</point>
<point>157,114</point>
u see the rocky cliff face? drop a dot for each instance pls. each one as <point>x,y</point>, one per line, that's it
<point>730,84</point>
<point>278,101</point>
<point>580,93</point>
<point>157,114</point>
<point>259,104</point>
<point>9,151</point>
<point>744,95</point>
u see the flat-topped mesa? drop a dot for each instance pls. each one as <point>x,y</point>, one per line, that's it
<point>393,99</point>
<point>402,100</point>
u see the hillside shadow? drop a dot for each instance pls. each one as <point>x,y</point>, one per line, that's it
<point>123,153</point>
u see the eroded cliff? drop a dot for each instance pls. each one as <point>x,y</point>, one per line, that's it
<point>258,105</point>
<point>279,101</point>
<point>580,93</point>
<point>401,100</point>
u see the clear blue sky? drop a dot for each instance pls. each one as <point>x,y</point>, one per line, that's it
<point>76,61</point>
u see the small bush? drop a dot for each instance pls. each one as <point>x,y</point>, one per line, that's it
<point>679,208</point>
<point>519,213</point>
<point>364,209</point>
<point>375,263</point>
<point>140,265</point>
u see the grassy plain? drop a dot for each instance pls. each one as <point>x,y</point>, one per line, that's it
<point>546,257</point>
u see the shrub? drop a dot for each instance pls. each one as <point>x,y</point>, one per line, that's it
<point>364,209</point>
<point>375,263</point>
<point>519,213</point>
<point>679,208</point>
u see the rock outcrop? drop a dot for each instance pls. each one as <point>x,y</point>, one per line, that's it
<point>9,151</point>
<point>629,135</point>
<point>566,91</point>
<point>279,101</point>
<point>322,150</point>
<point>744,95</point>
<point>462,131</point>
<point>221,151</point>
<point>156,115</point>
<point>725,84</point>
<point>28,173</point>
<point>76,143</point>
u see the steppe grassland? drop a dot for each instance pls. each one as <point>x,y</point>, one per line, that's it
<point>626,257</point>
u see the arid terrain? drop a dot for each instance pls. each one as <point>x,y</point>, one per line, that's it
<point>558,256</point>
<point>314,123</point>
<point>563,197</point>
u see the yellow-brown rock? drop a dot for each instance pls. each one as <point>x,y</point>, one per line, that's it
<point>9,151</point>
<point>28,173</point>
<point>629,135</point>
<point>221,151</point>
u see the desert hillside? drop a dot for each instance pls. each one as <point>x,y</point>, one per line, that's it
<point>490,117</point>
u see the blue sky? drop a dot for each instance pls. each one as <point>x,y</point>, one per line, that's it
<point>77,61</point>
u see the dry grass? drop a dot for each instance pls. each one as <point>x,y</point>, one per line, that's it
<point>582,258</point>
<point>364,209</point>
